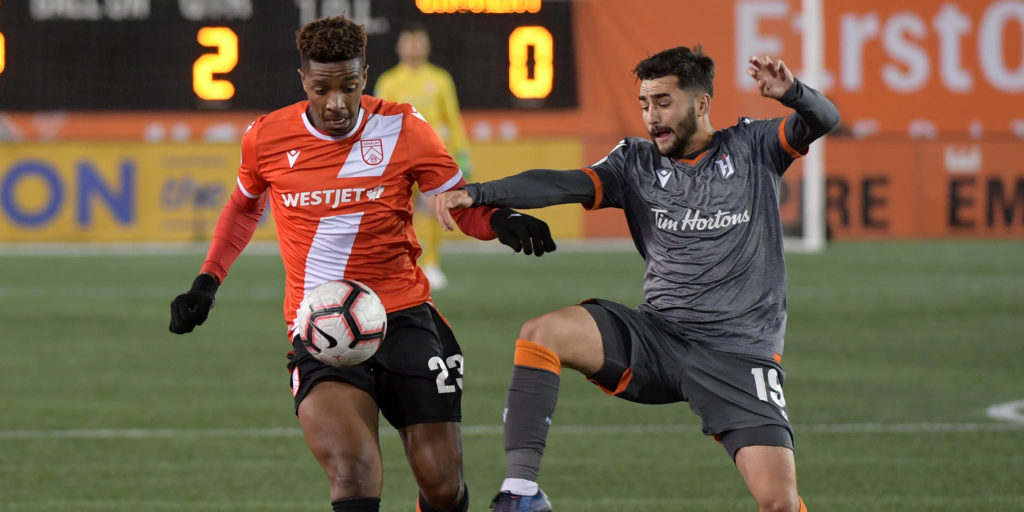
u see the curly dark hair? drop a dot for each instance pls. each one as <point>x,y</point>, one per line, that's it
<point>695,70</point>
<point>331,39</point>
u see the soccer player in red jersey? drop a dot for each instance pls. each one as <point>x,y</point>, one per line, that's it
<point>339,170</point>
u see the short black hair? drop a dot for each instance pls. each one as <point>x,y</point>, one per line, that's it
<point>331,39</point>
<point>695,70</point>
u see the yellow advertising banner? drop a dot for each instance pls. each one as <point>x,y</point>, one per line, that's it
<point>105,192</point>
<point>138,192</point>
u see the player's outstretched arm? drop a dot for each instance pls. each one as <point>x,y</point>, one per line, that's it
<point>815,115</point>
<point>535,188</point>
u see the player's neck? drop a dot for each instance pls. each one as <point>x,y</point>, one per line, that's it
<point>698,141</point>
<point>414,64</point>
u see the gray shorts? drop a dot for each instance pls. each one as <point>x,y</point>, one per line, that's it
<point>738,397</point>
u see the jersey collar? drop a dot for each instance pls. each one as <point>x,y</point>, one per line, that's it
<point>693,158</point>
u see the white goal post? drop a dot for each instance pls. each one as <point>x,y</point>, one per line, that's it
<point>812,236</point>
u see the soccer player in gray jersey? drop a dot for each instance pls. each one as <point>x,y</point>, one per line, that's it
<point>702,208</point>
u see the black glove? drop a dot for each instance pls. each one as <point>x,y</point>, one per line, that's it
<point>192,307</point>
<point>522,232</point>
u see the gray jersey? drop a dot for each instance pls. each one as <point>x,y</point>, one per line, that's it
<point>709,231</point>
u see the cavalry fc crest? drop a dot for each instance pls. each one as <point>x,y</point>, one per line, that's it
<point>372,151</point>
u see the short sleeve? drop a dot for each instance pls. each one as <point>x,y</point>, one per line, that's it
<point>769,137</point>
<point>250,181</point>
<point>434,169</point>
<point>607,175</point>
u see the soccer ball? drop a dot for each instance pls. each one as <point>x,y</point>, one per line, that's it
<point>342,322</point>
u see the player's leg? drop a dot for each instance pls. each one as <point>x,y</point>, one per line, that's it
<point>434,451</point>
<point>339,419</point>
<point>770,474</point>
<point>340,424</point>
<point>420,394</point>
<point>740,400</point>
<point>567,338</point>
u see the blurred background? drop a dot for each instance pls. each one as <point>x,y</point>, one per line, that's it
<point>120,118</point>
<point>120,123</point>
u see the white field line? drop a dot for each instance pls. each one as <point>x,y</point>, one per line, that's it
<point>1010,411</point>
<point>495,430</point>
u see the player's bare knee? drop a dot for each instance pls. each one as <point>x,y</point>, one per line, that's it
<point>351,476</point>
<point>539,330</point>
<point>442,493</point>
<point>780,501</point>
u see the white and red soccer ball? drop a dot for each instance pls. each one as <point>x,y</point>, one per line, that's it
<point>342,322</point>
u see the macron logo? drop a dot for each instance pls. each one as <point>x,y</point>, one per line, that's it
<point>331,197</point>
<point>663,176</point>
<point>292,155</point>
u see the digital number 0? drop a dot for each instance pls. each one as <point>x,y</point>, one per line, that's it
<point>519,80</point>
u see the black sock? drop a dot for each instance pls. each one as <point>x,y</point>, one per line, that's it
<point>463,505</point>
<point>356,504</point>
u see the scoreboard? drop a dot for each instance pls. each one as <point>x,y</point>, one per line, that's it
<point>240,54</point>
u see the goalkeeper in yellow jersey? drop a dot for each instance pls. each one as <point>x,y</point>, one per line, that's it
<point>431,90</point>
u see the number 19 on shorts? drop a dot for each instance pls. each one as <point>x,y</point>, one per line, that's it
<point>770,388</point>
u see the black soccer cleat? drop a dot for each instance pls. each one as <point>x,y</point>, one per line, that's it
<point>508,502</point>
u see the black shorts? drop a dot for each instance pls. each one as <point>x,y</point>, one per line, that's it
<point>415,376</point>
<point>738,397</point>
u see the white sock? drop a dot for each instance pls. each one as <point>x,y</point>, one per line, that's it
<point>520,486</point>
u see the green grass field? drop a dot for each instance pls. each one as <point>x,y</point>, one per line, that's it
<point>894,353</point>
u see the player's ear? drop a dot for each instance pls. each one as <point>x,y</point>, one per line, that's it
<point>703,104</point>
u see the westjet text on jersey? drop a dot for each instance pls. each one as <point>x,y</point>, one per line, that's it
<point>332,197</point>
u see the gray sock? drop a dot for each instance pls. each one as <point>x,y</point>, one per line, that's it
<point>529,406</point>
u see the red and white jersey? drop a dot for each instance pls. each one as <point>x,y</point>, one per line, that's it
<point>343,205</point>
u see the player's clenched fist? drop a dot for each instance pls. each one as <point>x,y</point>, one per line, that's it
<point>192,307</point>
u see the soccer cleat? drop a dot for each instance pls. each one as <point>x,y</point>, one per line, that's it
<point>508,502</point>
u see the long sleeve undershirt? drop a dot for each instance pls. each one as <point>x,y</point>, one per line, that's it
<point>241,215</point>
<point>814,116</point>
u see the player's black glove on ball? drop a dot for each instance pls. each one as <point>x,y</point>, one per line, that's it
<point>192,307</point>
<point>522,232</point>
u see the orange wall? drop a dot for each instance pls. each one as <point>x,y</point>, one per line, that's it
<point>931,189</point>
<point>948,71</point>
